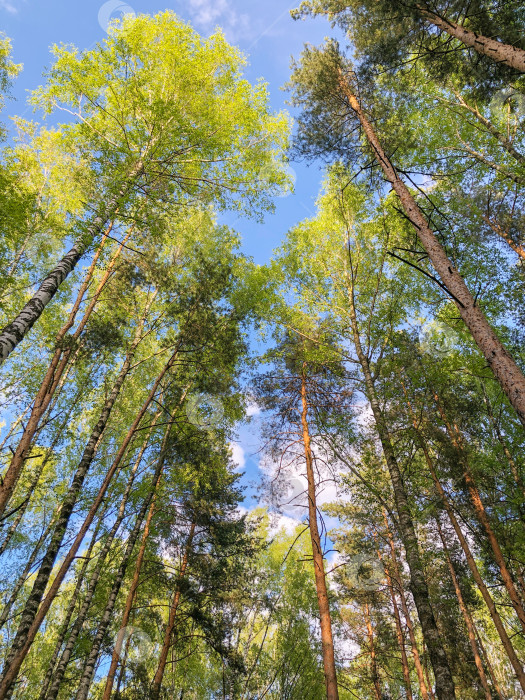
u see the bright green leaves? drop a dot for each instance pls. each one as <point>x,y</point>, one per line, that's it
<point>156,91</point>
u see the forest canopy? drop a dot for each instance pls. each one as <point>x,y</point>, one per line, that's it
<point>377,361</point>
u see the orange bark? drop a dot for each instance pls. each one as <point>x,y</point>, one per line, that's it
<point>327,642</point>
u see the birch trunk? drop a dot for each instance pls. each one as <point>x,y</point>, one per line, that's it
<point>71,607</point>
<point>15,331</point>
<point>147,507</point>
<point>135,581</point>
<point>53,375</point>
<point>35,611</point>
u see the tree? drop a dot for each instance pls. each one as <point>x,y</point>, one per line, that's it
<point>130,128</point>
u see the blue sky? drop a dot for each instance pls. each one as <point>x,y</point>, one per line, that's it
<point>264,31</point>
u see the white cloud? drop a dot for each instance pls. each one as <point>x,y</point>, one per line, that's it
<point>238,455</point>
<point>252,409</point>
<point>8,7</point>
<point>208,14</point>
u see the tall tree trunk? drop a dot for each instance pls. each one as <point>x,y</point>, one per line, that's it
<point>54,372</point>
<point>60,670</point>
<point>418,585</point>
<point>481,513</point>
<point>149,507</point>
<point>505,369</point>
<point>488,664</point>
<point>71,606</point>
<point>36,477</point>
<point>14,333</point>
<point>373,663</point>
<point>505,640</point>
<point>499,52</point>
<point>168,634</point>
<point>35,611</point>
<point>25,575</point>
<point>404,607</point>
<point>399,630</point>
<point>466,617</point>
<point>327,641</point>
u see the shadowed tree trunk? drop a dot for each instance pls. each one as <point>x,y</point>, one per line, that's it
<point>404,607</point>
<point>505,640</point>
<point>481,513</point>
<point>418,585</point>
<point>466,617</point>
<point>168,634</point>
<point>399,629</point>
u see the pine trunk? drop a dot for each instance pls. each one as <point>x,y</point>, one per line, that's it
<point>503,366</point>
<point>168,634</point>
<point>327,641</point>
<point>373,664</point>
<point>404,607</point>
<point>505,640</point>
<point>499,52</point>
<point>418,585</point>
<point>481,514</point>
<point>469,622</point>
